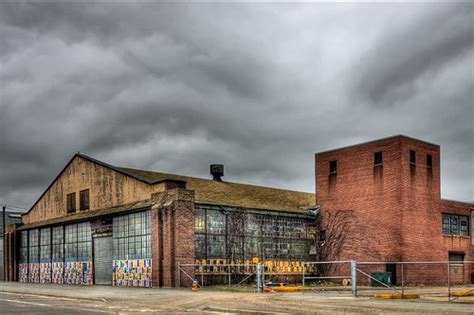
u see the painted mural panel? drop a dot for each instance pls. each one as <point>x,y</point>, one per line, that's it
<point>132,273</point>
<point>78,272</point>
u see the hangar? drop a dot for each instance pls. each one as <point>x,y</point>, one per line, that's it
<point>101,224</point>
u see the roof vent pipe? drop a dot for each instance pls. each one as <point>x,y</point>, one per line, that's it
<point>217,171</point>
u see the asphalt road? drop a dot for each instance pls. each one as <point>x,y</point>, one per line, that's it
<point>13,303</point>
<point>16,298</point>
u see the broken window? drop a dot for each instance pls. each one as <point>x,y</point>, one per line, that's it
<point>200,221</point>
<point>216,246</point>
<point>455,224</point>
<point>243,234</point>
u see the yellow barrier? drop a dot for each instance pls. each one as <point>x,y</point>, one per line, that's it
<point>287,289</point>
<point>463,293</point>
<point>387,296</point>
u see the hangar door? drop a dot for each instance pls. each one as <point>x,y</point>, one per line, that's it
<point>103,260</point>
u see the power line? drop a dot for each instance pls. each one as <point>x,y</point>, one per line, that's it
<point>13,207</point>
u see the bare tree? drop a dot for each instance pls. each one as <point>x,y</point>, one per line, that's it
<point>235,234</point>
<point>331,233</point>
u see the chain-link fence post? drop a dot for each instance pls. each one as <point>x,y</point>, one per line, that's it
<point>304,266</point>
<point>449,281</point>
<point>403,280</point>
<point>259,278</point>
<point>354,278</point>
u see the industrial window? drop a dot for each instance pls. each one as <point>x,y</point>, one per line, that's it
<point>216,233</point>
<point>33,246</point>
<point>215,222</point>
<point>333,167</point>
<point>378,160</point>
<point>24,247</point>
<point>78,242</point>
<point>200,222</point>
<point>45,245</point>
<point>58,244</point>
<point>132,236</point>
<point>200,245</point>
<point>252,247</point>
<point>235,246</point>
<point>215,246</point>
<point>252,228</point>
<point>412,157</point>
<point>84,199</point>
<point>239,233</point>
<point>455,224</point>
<point>71,202</point>
<point>299,248</point>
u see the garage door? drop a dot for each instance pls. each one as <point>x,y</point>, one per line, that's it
<point>103,260</point>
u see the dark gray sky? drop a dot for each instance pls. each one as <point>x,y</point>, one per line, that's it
<point>258,87</point>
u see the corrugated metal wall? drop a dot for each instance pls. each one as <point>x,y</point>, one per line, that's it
<point>103,260</point>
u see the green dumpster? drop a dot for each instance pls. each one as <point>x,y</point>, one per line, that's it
<point>383,277</point>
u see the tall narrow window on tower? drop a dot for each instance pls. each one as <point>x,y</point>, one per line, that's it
<point>429,168</point>
<point>412,157</point>
<point>333,167</point>
<point>378,158</point>
<point>429,161</point>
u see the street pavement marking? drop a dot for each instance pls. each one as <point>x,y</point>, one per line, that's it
<point>23,302</point>
<point>48,305</point>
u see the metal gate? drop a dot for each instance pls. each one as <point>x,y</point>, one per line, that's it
<point>103,260</point>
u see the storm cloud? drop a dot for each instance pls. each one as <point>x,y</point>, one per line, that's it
<point>257,87</point>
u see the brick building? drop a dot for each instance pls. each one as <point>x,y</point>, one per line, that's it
<point>390,191</point>
<point>101,224</point>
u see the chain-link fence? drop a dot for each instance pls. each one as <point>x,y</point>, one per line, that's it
<point>451,279</point>
<point>454,279</point>
<point>231,275</point>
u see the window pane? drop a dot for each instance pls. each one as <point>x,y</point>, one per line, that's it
<point>446,224</point>
<point>131,236</point>
<point>215,222</point>
<point>463,225</point>
<point>454,224</point>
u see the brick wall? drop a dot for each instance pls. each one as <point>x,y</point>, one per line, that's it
<point>372,193</point>
<point>172,236</point>
<point>396,207</point>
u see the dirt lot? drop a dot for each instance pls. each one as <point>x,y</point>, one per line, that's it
<point>131,300</point>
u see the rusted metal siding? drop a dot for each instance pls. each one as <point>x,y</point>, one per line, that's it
<point>107,187</point>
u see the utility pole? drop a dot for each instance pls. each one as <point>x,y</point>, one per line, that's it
<point>4,208</point>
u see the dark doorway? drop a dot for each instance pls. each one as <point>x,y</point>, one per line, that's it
<point>392,268</point>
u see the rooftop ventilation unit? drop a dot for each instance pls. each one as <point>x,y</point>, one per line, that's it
<point>217,171</point>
